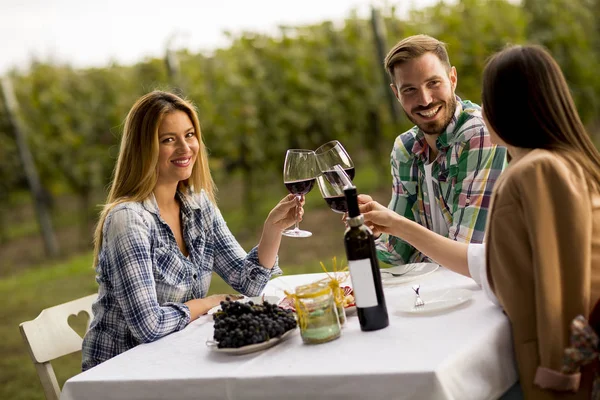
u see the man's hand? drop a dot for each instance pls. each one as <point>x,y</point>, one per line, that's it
<point>377,217</point>
<point>364,199</point>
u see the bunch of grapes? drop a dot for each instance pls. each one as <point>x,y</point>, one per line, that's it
<point>240,324</point>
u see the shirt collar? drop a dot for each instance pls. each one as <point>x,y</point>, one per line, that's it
<point>188,203</point>
<point>151,205</point>
<point>444,140</point>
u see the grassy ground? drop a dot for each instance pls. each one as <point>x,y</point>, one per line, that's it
<point>25,292</point>
<point>24,296</point>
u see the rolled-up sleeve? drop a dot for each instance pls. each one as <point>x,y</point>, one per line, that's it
<point>478,270</point>
<point>128,249</point>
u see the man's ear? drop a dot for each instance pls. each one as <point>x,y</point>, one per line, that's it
<point>453,78</point>
<point>395,90</point>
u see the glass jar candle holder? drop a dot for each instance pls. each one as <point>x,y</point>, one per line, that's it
<point>338,299</point>
<point>317,313</point>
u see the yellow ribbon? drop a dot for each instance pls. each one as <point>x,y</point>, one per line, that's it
<point>335,282</point>
<point>301,310</point>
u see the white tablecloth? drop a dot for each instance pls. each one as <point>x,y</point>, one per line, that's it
<point>462,354</point>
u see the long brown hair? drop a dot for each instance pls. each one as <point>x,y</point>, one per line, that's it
<point>136,172</point>
<point>527,102</point>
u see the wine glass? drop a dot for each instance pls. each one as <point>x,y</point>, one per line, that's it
<point>299,172</point>
<point>332,186</point>
<point>330,154</point>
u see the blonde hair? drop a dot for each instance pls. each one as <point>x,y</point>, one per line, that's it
<point>136,172</point>
<point>414,47</point>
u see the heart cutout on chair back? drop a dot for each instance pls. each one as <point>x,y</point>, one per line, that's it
<point>79,322</point>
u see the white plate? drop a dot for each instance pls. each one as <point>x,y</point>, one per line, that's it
<point>251,348</point>
<point>435,300</point>
<point>350,310</point>
<point>419,271</point>
<point>256,300</point>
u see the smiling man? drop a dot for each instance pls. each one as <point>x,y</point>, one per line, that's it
<point>444,168</point>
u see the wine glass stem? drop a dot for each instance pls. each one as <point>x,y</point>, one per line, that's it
<point>297,212</point>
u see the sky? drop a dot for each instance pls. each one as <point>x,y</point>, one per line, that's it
<point>96,32</point>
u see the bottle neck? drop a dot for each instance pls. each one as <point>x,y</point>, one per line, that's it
<point>356,221</point>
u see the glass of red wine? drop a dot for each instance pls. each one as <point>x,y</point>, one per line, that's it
<point>333,193</point>
<point>338,171</point>
<point>299,173</point>
<point>330,154</point>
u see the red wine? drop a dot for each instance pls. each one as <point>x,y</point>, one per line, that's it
<point>364,268</point>
<point>337,203</point>
<point>333,177</point>
<point>300,187</point>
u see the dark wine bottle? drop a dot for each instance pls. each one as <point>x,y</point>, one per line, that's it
<point>364,268</point>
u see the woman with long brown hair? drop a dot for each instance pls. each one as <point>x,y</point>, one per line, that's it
<point>161,236</point>
<point>543,234</point>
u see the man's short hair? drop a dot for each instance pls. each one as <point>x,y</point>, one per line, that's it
<point>413,47</point>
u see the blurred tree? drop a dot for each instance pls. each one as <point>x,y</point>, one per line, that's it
<point>72,114</point>
<point>5,166</point>
<point>41,199</point>
<point>570,30</point>
<point>301,87</point>
<point>472,30</point>
<point>12,177</point>
<point>382,49</point>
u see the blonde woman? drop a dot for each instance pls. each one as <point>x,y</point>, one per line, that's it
<point>161,236</point>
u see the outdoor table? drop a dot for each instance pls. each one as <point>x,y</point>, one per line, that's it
<point>460,353</point>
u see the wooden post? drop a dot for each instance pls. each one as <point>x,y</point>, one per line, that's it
<point>381,45</point>
<point>39,196</point>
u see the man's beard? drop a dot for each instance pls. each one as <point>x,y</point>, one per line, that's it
<point>438,126</point>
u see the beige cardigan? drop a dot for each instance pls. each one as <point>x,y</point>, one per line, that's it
<point>543,260</point>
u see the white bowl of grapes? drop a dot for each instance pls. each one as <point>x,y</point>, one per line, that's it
<point>243,327</point>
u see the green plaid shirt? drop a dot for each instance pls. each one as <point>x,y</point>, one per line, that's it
<point>463,176</point>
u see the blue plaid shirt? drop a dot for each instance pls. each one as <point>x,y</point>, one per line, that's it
<point>144,279</point>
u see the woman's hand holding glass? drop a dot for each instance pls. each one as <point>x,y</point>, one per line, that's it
<point>299,173</point>
<point>285,213</point>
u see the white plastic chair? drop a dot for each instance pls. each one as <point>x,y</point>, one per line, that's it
<point>49,337</point>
